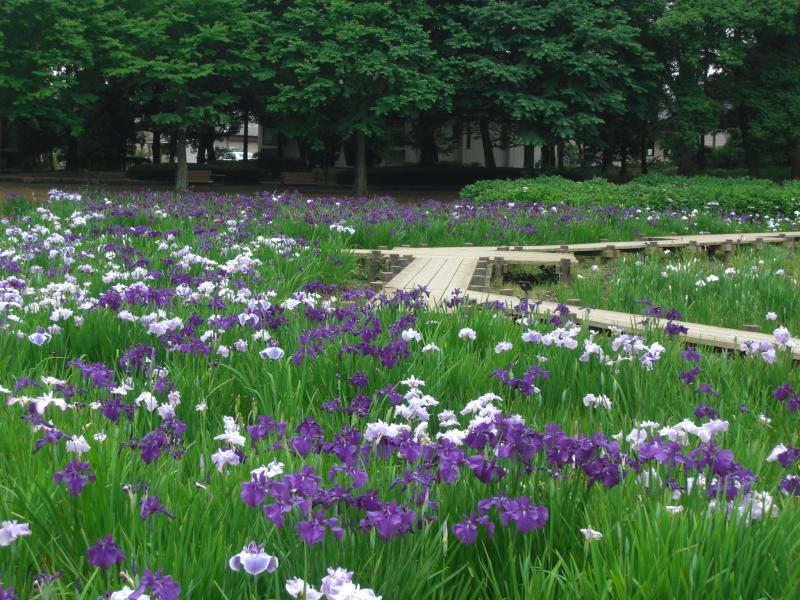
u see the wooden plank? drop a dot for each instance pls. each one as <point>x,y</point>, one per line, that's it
<point>456,273</point>
<point>509,256</point>
<point>427,275</point>
<point>407,275</point>
<point>463,274</point>
<point>661,242</point>
<point>674,241</point>
<point>703,335</point>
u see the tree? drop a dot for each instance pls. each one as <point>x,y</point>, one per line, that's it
<point>759,78</point>
<point>629,131</point>
<point>186,59</point>
<point>693,31</point>
<point>551,69</point>
<point>345,67</point>
<point>44,48</point>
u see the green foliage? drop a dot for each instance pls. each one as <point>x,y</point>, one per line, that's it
<point>44,47</point>
<point>609,75</point>
<point>346,67</point>
<point>551,68</point>
<point>182,59</point>
<point>650,191</point>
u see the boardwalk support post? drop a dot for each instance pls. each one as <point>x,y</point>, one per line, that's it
<point>565,271</point>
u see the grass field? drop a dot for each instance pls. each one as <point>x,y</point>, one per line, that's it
<point>156,352</point>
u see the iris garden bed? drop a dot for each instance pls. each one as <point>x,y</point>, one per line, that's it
<point>756,288</point>
<point>200,379</point>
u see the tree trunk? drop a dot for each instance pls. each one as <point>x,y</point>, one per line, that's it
<point>545,161</point>
<point>173,143</point>
<point>428,152</point>
<point>156,147</point>
<point>560,148</point>
<point>750,156</point>
<point>201,150</point>
<point>72,153</point>
<point>623,151</point>
<point>607,159</point>
<point>701,152</point>
<point>245,140</point>
<point>488,149</point>
<point>796,160</point>
<point>643,145</point>
<point>360,188</point>
<point>686,160</point>
<point>610,139</point>
<point>211,153</point>
<point>302,148</point>
<point>181,173</point>
<point>529,158</point>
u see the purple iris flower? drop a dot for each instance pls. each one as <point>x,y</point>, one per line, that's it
<point>105,553</point>
<point>50,436</point>
<point>161,586</point>
<point>691,354</point>
<point>790,456</point>
<point>786,393</point>
<point>705,388</point>
<point>467,531</point>
<point>75,476</point>
<point>43,578</point>
<point>690,375</point>
<point>525,515</point>
<point>389,521</point>
<point>254,492</point>
<point>654,311</point>
<point>359,380</point>
<point>313,531</point>
<point>705,412</point>
<point>790,485</point>
<point>151,505</point>
<point>672,328</point>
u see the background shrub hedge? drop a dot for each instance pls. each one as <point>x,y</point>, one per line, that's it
<point>652,191</point>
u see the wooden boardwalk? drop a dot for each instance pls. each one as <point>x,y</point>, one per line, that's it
<point>439,274</point>
<point>442,270</point>
<point>530,256</point>
<point>699,334</point>
<point>468,268</point>
<point>710,240</point>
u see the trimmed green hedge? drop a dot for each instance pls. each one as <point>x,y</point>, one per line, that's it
<point>234,172</point>
<point>652,191</point>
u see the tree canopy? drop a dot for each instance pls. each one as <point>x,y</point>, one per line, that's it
<point>609,76</point>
